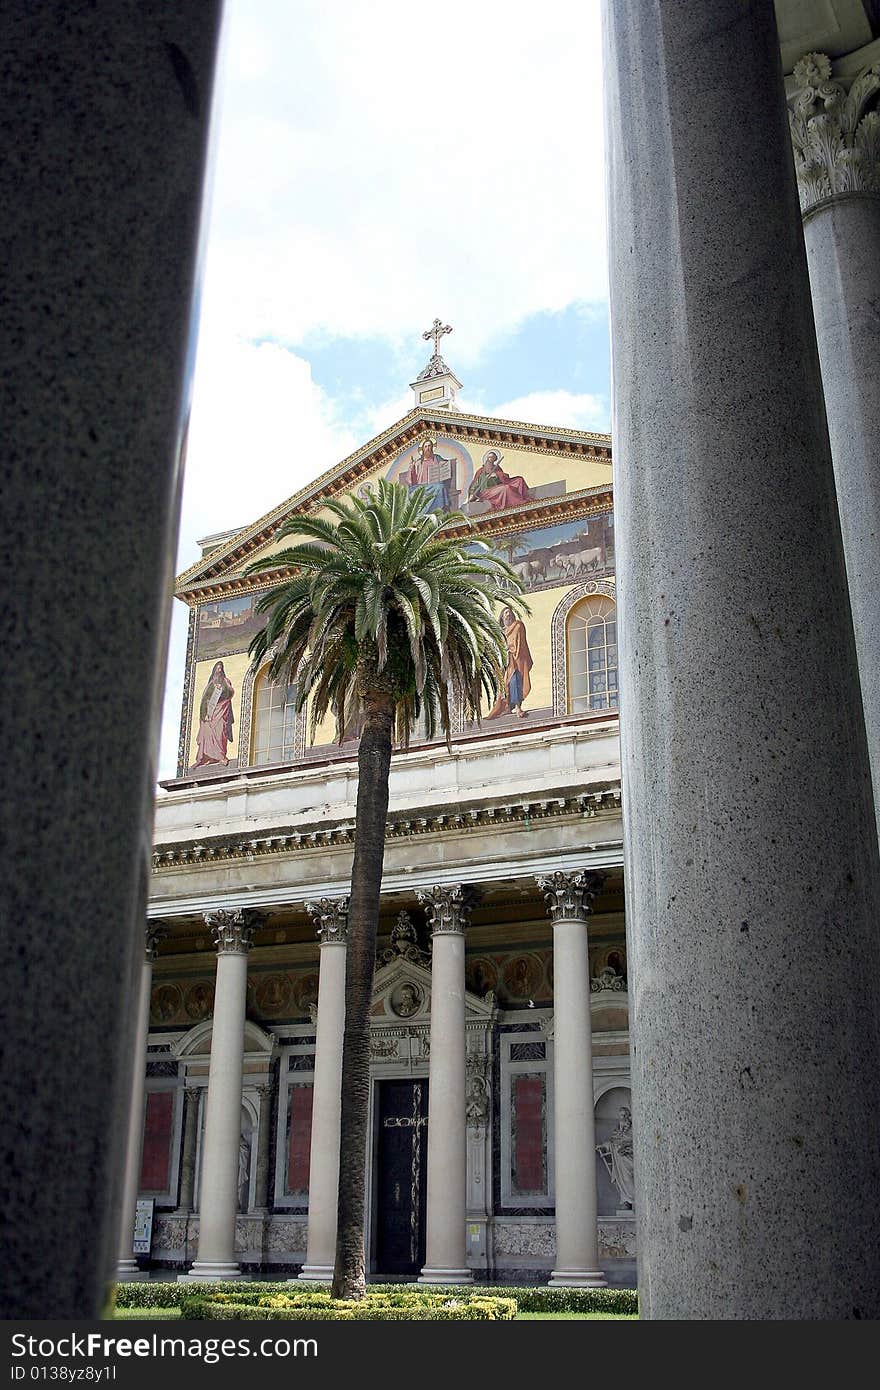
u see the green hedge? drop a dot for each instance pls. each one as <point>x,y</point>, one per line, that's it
<point>399,1306</point>
<point>533,1298</point>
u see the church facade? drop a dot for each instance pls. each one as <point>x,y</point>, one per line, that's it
<point>502,892</point>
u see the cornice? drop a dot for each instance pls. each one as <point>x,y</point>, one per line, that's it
<point>224,849</point>
<point>381,449</point>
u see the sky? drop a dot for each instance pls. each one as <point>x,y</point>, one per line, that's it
<point>377,166</point>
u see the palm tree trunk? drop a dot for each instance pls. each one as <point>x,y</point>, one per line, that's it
<point>374,763</point>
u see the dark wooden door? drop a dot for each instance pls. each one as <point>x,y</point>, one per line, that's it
<point>402,1176</point>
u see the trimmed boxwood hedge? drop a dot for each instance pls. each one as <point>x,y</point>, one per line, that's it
<point>399,1306</point>
<point>532,1298</point>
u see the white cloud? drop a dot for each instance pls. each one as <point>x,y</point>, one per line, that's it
<point>570,409</point>
<point>380,164</point>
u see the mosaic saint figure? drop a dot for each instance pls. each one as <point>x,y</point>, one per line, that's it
<point>215,718</point>
<point>492,485</point>
<point>517,680</point>
<point>430,470</point>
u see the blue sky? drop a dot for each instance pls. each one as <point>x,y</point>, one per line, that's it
<point>377,166</point>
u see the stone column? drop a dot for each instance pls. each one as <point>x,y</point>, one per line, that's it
<point>750,846</point>
<point>331,920</point>
<point>218,1191</point>
<point>445,1256</point>
<point>568,898</point>
<point>127,1268</point>
<point>264,1148</point>
<point>104,129</point>
<point>191,1096</point>
<point>837,157</point>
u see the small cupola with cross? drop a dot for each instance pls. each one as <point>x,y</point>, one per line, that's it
<point>436,385</point>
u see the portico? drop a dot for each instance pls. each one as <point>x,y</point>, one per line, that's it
<point>465,1041</point>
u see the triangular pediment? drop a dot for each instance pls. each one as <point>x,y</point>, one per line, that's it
<point>543,469</point>
<point>402,994</point>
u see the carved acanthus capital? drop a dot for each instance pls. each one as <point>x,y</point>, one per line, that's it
<point>836,140</point>
<point>447,907</point>
<point>330,916</point>
<point>233,929</point>
<point>569,897</point>
<point>154,931</point>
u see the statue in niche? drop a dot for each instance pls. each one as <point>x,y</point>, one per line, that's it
<point>617,1156</point>
<point>244,1168</point>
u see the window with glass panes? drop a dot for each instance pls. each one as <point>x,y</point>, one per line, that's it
<point>592,656</point>
<point>274,722</point>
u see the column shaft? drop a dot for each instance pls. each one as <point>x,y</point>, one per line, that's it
<point>843,254</point>
<point>446,1241</point>
<point>104,125</point>
<point>568,897</point>
<point>751,852</point>
<point>326,1107</point>
<point>574,1127</point>
<point>218,1193</point>
<point>128,1267</point>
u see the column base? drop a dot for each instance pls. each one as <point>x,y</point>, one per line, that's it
<point>445,1276</point>
<point>129,1271</point>
<point>204,1270</point>
<point>577,1279</point>
<point>314,1274</point>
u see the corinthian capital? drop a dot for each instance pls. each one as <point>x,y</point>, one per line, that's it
<point>836,140</point>
<point>569,897</point>
<point>448,907</point>
<point>330,916</point>
<point>233,929</point>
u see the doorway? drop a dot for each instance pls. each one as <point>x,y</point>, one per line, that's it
<point>401,1176</point>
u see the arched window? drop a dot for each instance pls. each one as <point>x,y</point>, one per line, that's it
<point>592,655</point>
<point>274,722</point>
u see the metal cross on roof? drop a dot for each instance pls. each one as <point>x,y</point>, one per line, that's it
<point>437,333</point>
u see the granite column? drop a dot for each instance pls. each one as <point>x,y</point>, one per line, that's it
<point>104,128</point>
<point>218,1194</point>
<point>568,898</point>
<point>128,1268</point>
<point>446,1241</point>
<point>750,845</point>
<point>837,158</point>
<point>331,919</point>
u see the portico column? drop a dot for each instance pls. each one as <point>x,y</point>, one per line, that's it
<point>445,1255</point>
<point>837,158</point>
<point>127,1268</point>
<point>188,1148</point>
<point>568,898</point>
<point>331,920</point>
<point>264,1138</point>
<point>218,1192</point>
<point>752,877</point>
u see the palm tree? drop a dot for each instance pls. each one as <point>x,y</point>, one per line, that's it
<point>387,619</point>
